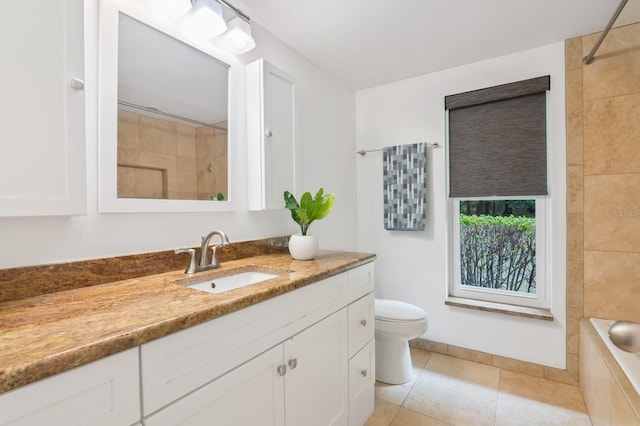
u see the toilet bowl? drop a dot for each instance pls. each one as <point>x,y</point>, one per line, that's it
<point>396,323</point>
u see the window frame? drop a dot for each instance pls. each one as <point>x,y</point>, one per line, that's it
<point>456,289</point>
<point>542,299</point>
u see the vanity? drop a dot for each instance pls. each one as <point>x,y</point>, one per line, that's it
<point>290,350</point>
<point>294,349</point>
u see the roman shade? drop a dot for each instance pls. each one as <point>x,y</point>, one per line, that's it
<point>497,140</point>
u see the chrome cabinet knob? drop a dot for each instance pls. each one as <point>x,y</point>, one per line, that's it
<point>363,322</point>
<point>293,363</point>
<point>76,84</point>
<point>363,373</point>
<point>282,370</point>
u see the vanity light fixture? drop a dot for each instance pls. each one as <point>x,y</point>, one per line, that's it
<point>238,36</point>
<point>204,19</point>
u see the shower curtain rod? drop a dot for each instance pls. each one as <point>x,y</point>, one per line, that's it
<point>364,151</point>
<point>590,57</point>
<point>168,114</point>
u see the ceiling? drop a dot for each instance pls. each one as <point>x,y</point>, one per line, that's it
<point>365,43</point>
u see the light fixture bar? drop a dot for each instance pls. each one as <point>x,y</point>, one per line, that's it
<point>235,9</point>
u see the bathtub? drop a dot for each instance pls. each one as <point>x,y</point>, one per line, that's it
<point>628,362</point>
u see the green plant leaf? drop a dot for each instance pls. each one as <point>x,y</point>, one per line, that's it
<point>292,204</point>
<point>310,208</point>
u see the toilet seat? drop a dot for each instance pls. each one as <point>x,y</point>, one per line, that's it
<point>396,311</point>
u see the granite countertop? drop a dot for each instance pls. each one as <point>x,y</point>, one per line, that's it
<point>50,333</point>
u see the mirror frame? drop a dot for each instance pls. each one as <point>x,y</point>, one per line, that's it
<point>108,201</point>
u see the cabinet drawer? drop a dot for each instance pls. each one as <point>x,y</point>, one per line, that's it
<point>361,323</point>
<point>360,281</point>
<point>362,384</point>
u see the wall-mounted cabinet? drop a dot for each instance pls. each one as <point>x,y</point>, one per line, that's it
<point>270,135</point>
<point>42,157</point>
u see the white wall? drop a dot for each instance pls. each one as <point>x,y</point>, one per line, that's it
<point>411,266</point>
<point>325,137</point>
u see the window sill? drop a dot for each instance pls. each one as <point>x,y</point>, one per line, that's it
<point>500,308</point>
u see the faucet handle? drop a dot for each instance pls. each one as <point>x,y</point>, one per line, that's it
<point>192,259</point>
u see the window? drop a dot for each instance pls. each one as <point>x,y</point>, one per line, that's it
<point>498,250</point>
<point>497,168</point>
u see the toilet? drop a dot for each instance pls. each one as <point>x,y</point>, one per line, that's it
<point>396,323</point>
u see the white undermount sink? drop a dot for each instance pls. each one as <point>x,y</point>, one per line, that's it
<point>218,285</point>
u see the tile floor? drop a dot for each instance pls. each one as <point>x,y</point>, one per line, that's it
<point>452,391</point>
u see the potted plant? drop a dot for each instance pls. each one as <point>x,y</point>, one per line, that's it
<point>304,246</point>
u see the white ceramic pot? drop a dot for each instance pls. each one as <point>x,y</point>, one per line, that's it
<point>303,247</point>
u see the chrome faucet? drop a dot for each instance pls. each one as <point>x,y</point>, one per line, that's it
<point>204,257</point>
<point>204,263</point>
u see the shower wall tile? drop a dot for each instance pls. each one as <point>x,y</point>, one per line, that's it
<point>575,141</point>
<point>186,141</point>
<point>612,213</point>
<point>150,183</point>
<point>157,135</point>
<point>127,130</point>
<point>616,69</point>
<point>612,135</point>
<point>165,162</point>
<point>575,191</point>
<point>575,236</point>
<point>187,182</point>
<point>211,162</point>
<point>573,87</point>
<point>575,283</point>
<point>574,316</point>
<point>126,182</point>
<point>573,53</point>
<point>128,156</point>
<point>612,285</point>
<point>183,153</point>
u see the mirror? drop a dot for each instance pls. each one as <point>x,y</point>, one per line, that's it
<point>166,135</point>
<point>172,117</point>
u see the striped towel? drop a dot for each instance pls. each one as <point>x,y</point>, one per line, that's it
<point>405,187</point>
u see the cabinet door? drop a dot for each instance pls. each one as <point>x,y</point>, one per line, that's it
<point>42,156</point>
<point>271,135</point>
<point>105,392</point>
<point>362,384</point>
<point>249,395</point>
<point>316,384</point>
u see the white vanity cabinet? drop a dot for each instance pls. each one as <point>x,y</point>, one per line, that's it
<point>285,361</point>
<point>42,155</point>
<point>104,392</point>
<point>308,371</point>
<point>270,135</point>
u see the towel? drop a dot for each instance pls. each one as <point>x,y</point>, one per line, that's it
<point>405,187</point>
